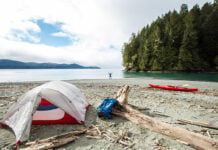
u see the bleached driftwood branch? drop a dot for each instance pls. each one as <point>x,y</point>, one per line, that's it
<point>98,132</point>
<point>198,124</point>
<point>53,142</point>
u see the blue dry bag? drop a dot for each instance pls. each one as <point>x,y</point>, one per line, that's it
<point>105,108</point>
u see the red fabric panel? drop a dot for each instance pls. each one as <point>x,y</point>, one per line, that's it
<point>45,102</point>
<point>67,119</point>
<point>4,125</point>
<point>18,142</point>
<point>87,107</point>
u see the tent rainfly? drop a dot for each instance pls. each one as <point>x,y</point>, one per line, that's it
<point>55,102</point>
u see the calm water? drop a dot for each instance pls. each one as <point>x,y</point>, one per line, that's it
<point>17,75</point>
<point>213,77</point>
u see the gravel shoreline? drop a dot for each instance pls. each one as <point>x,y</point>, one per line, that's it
<point>168,106</point>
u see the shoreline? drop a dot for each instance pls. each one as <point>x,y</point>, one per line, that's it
<point>185,72</point>
<point>126,78</point>
<point>201,106</point>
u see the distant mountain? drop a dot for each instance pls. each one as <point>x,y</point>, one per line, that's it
<point>13,64</point>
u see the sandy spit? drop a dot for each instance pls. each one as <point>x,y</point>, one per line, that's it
<point>201,106</point>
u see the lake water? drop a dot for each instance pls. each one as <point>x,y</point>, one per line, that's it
<point>17,75</point>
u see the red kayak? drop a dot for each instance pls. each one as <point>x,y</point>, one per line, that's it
<point>169,87</point>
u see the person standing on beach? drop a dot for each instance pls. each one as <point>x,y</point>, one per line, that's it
<point>110,75</point>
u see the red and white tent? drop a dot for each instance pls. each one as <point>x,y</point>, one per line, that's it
<point>55,102</point>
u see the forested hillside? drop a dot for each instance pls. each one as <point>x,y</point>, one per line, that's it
<point>13,64</point>
<point>177,41</point>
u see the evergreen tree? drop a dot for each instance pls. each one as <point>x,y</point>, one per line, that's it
<point>210,38</point>
<point>205,12</point>
<point>130,53</point>
<point>184,9</point>
<point>158,36</point>
<point>142,51</point>
<point>189,52</point>
<point>174,28</point>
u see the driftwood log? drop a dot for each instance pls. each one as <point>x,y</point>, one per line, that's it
<point>198,124</point>
<point>93,131</point>
<point>53,142</point>
<point>184,136</point>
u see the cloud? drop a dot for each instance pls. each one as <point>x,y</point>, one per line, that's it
<point>19,29</point>
<point>98,27</point>
<point>60,34</point>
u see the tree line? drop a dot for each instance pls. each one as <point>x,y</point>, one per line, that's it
<point>177,41</point>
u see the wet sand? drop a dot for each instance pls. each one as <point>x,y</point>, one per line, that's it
<point>168,106</point>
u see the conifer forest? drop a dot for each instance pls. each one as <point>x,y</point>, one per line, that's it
<point>184,40</point>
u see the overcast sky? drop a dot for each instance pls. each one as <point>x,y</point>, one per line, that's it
<point>87,32</point>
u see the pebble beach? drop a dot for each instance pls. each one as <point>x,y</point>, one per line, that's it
<point>167,106</point>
